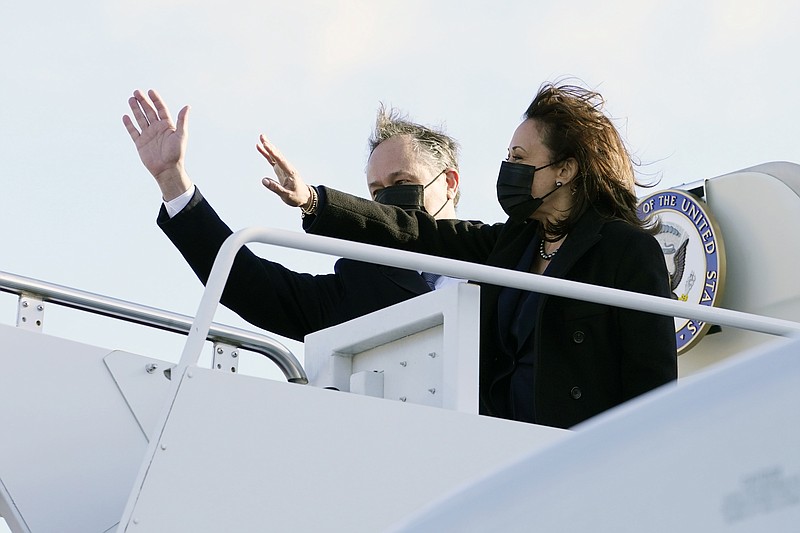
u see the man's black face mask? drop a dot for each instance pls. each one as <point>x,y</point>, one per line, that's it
<point>407,197</point>
<point>514,185</point>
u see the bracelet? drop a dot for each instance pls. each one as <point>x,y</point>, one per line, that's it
<point>314,201</point>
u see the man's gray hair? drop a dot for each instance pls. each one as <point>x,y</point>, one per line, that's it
<point>437,149</point>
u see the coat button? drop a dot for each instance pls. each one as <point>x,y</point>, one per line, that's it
<point>575,393</point>
<point>578,337</point>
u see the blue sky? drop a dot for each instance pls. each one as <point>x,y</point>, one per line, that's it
<point>699,89</point>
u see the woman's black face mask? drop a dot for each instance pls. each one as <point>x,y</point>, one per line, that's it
<point>407,197</point>
<point>514,185</point>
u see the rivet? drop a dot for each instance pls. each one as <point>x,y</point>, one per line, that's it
<point>402,398</point>
<point>24,304</point>
<point>219,351</point>
<point>163,446</point>
<point>234,354</point>
<point>40,308</point>
<point>403,363</point>
<point>432,355</point>
<point>151,367</point>
<point>432,391</point>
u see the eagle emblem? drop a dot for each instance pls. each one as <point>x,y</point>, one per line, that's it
<point>693,252</point>
<point>674,242</point>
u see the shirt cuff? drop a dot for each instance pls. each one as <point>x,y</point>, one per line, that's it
<point>177,204</point>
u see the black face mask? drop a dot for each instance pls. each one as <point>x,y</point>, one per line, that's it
<point>407,197</point>
<point>514,185</point>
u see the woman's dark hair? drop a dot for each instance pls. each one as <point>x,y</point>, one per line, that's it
<point>572,124</point>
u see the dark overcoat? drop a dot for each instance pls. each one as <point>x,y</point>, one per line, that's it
<point>277,299</point>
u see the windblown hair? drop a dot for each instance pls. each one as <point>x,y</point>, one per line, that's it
<point>437,150</point>
<point>572,123</point>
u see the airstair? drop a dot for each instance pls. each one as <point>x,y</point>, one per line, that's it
<point>378,429</point>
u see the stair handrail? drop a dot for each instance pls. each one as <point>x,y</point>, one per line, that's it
<point>155,318</point>
<point>457,269</point>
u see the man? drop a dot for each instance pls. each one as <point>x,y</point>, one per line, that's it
<point>263,292</point>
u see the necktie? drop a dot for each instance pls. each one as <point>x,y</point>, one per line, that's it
<point>430,279</point>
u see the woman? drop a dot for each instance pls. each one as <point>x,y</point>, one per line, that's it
<point>568,188</point>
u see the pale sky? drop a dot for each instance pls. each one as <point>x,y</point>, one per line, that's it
<point>698,88</point>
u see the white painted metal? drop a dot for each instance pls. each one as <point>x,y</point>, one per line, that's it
<point>367,383</point>
<point>225,357</point>
<point>718,453</point>
<point>70,446</point>
<point>426,349</point>
<point>143,383</point>
<point>299,458</point>
<point>409,373</point>
<point>758,211</point>
<point>30,313</point>
<point>9,515</point>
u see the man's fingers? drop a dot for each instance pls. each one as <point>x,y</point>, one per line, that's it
<point>145,114</point>
<point>136,110</point>
<point>132,131</point>
<point>147,106</point>
<point>161,108</point>
<point>183,121</point>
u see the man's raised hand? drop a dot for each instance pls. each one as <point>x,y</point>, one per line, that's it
<point>161,143</point>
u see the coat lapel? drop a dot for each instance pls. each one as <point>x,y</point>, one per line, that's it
<point>508,255</point>
<point>584,235</point>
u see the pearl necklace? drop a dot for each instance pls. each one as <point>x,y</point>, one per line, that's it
<point>546,256</point>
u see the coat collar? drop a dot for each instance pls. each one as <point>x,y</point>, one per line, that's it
<point>585,234</point>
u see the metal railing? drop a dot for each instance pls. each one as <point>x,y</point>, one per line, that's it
<point>155,318</point>
<point>463,270</point>
<point>202,328</point>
